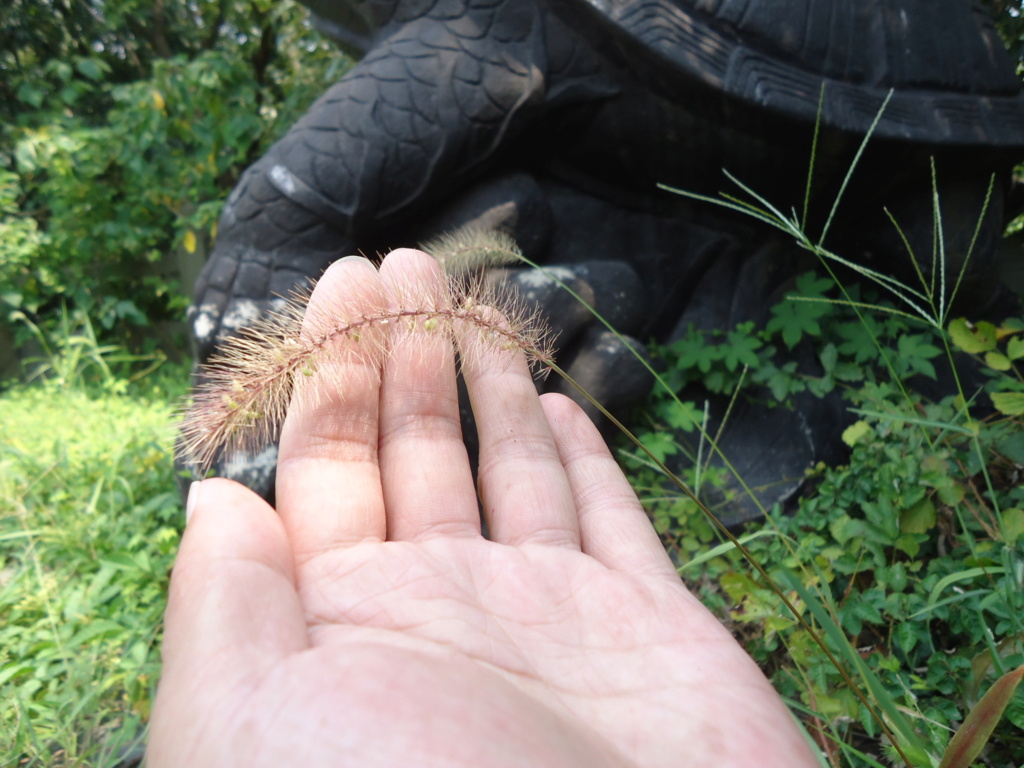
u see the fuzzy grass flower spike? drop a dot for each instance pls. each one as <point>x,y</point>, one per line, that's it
<point>244,392</point>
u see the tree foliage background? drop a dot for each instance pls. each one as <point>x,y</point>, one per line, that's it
<point>124,124</point>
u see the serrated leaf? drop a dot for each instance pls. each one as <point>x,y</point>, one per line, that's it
<point>681,417</point>
<point>907,635</point>
<point>919,518</point>
<point>741,349</point>
<point>828,357</point>
<point>661,445</point>
<point>1009,403</point>
<point>1012,524</point>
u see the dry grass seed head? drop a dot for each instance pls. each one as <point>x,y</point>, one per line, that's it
<point>245,390</point>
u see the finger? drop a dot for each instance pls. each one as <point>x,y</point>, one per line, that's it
<point>614,528</point>
<point>523,488</point>
<point>425,474</point>
<point>328,483</point>
<point>232,608</point>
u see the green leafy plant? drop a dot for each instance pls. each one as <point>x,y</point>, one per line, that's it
<point>115,167</point>
<point>927,501</point>
<point>89,524</point>
<point>73,357</point>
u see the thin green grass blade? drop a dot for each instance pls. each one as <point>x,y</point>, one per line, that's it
<point>814,156</point>
<point>724,547</point>
<point>912,420</point>
<point>909,249</point>
<point>953,578</point>
<point>853,165</point>
<point>970,247</point>
<point>959,598</point>
<point>745,208</point>
<point>939,247</point>
<point>859,304</point>
<point>909,745</point>
<point>788,226</point>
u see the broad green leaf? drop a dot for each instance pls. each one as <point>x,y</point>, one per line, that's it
<point>914,352</point>
<point>91,68</point>
<point>920,518</point>
<point>1015,348</point>
<point>1009,403</point>
<point>855,432</point>
<point>977,727</point>
<point>794,321</point>
<point>661,445</point>
<point>1013,524</point>
<point>971,338</point>
<point>31,94</point>
<point>997,361</point>
<point>741,349</point>
<point>1012,447</point>
<point>96,629</point>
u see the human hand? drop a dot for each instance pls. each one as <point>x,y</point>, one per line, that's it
<point>367,621</point>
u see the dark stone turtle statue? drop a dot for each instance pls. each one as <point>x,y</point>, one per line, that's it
<point>557,119</point>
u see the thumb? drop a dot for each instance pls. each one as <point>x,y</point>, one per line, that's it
<point>232,611</point>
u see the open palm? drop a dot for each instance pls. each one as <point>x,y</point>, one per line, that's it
<point>368,622</point>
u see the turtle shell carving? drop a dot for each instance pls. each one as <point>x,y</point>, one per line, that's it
<point>952,80</point>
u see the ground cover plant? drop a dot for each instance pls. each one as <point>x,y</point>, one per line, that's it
<point>907,557</point>
<point>901,570</point>
<point>89,523</point>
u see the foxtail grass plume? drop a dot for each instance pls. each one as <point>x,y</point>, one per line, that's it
<point>244,391</point>
<point>470,249</point>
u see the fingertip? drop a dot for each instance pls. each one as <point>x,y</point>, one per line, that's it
<point>407,253</point>
<point>566,416</point>
<point>228,520</point>
<point>233,571</point>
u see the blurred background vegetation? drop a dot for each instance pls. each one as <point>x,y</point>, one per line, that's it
<point>124,124</point>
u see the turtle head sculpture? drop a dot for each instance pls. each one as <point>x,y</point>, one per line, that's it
<point>556,120</point>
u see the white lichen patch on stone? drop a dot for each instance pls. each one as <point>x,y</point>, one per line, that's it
<point>204,325</point>
<point>243,313</point>
<point>247,467</point>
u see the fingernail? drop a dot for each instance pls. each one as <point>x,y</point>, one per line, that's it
<point>193,500</point>
<point>363,259</point>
